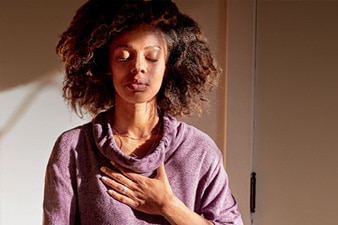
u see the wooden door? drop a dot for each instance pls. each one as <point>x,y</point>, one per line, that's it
<point>295,150</point>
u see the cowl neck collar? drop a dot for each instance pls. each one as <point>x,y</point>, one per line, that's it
<point>104,139</point>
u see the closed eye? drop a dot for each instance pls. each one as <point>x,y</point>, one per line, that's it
<point>123,55</point>
<point>153,55</point>
<point>122,59</point>
<point>152,60</point>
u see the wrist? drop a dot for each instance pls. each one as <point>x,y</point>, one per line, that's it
<point>172,207</point>
<point>177,213</point>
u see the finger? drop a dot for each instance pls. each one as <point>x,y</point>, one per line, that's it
<point>112,174</point>
<point>116,177</point>
<point>121,192</point>
<point>116,186</point>
<point>124,198</point>
<point>107,171</point>
<point>112,184</point>
<point>127,173</point>
<point>162,176</point>
<point>119,168</point>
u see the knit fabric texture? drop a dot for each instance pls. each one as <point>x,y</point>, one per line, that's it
<point>74,193</point>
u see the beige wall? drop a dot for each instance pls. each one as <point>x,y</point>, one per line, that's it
<point>28,34</point>
<point>214,27</point>
<point>32,111</point>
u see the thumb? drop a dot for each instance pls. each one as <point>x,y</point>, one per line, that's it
<point>161,174</point>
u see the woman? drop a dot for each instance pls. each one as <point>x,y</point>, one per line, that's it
<point>136,65</point>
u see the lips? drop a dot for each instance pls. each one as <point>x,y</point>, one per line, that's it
<point>137,86</point>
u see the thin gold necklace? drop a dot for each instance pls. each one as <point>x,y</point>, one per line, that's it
<point>131,153</point>
<point>119,135</point>
<point>116,132</point>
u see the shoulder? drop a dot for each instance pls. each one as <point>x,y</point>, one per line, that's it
<point>69,140</point>
<point>191,140</point>
<point>179,127</point>
<point>72,136</point>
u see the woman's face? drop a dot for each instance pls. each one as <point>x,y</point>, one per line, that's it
<point>137,63</point>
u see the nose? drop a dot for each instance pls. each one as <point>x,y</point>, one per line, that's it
<point>139,66</point>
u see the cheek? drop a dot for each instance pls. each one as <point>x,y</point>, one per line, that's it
<point>158,78</point>
<point>117,71</point>
<point>159,70</point>
<point>116,75</point>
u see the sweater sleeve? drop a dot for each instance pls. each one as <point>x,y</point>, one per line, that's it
<point>219,205</point>
<point>59,204</point>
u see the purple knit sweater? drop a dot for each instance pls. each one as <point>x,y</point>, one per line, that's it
<point>74,193</point>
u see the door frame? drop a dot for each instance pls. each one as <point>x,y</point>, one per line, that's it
<point>240,72</point>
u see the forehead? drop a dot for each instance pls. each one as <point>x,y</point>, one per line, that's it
<point>140,37</point>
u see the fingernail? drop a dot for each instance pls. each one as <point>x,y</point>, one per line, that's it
<point>103,169</point>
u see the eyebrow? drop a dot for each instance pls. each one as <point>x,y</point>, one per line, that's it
<point>131,47</point>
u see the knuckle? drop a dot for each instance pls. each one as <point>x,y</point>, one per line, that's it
<point>118,177</point>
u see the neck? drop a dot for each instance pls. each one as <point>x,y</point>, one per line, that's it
<point>136,120</point>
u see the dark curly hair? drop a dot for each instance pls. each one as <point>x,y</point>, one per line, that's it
<point>84,48</point>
